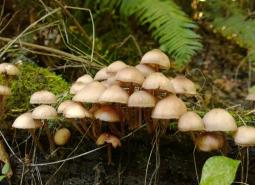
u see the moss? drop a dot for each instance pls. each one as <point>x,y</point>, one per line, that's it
<point>31,79</point>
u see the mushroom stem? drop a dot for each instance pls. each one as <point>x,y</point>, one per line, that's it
<point>96,128</point>
<point>50,139</point>
<point>36,140</point>
<point>86,129</point>
<point>114,130</point>
<point>109,153</point>
<point>76,126</point>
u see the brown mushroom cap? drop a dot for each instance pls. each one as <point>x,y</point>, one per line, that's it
<point>145,69</point>
<point>170,107</point>
<point>210,141</point>
<point>75,110</point>
<point>114,94</point>
<point>43,97</point>
<point>183,85</point>
<point>245,136</point>
<point>85,79</point>
<point>90,93</point>
<point>156,57</point>
<point>190,121</point>
<point>107,113</point>
<point>102,74</point>
<point>116,66</point>
<point>76,87</point>
<point>25,121</point>
<point>130,75</point>
<point>44,112</point>
<point>141,99</point>
<point>219,120</point>
<point>108,138</point>
<point>158,81</point>
<point>62,136</point>
<point>63,105</point>
<point>4,90</point>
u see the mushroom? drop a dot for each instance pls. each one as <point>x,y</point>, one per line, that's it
<point>63,105</point>
<point>251,96</point>
<point>25,121</point>
<point>145,69</point>
<point>62,136</point>
<point>114,67</point>
<point>76,87</point>
<point>43,113</point>
<point>102,74</point>
<point>8,70</point>
<point>85,79</point>
<point>111,140</point>
<point>108,114</point>
<point>43,97</point>
<point>156,58</point>
<point>4,91</point>
<point>183,85</point>
<point>141,99</point>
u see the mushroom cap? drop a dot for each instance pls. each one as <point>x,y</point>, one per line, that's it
<point>8,69</point>
<point>245,136</point>
<point>102,74</point>
<point>62,136</point>
<point>183,85</point>
<point>130,75</point>
<point>44,112</point>
<point>116,66</point>
<point>190,121</point>
<point>25,121</point>
<point>63,105</point>
<point>114,94</point>
<point>158,81</point>
<point>75,110</point>
<point>85,79</point>
<point>4,90</point>
<point>43,97</point>
<point>77,86</point>
<point>210,141</point>
<point>250,97</point>
<point>108,138</point>
<point>90,93</point>
<point>219,120</point>
<point>145,69</point>
<point>107,113</point>
<point>141,99</point>
<point>156,57</point>
<point>170,107</point>
<point>110,81</point>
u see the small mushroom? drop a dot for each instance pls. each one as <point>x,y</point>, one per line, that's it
<point>4,91</point>
<point>43,97</point>
<point>146,70</point>
<point>114,67</point>
<point>183,85</point>
<point>76,87</point>
<point>85,79</point>
<point>62,136</point>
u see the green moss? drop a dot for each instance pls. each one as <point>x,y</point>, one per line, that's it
<point>31,79</point>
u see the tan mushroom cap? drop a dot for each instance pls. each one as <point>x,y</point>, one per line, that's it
<point>102,74</point>
<point>43,97</point>
<point>210,141</point>
<point>116,66</point>
<point>110,81</point>
<point>190,121</point>
<point>9,69</point>
<point>76,110</point>
<point>141,99</point>
<point>107,113</point>
<point>158,81</point>
<point>219,120</point>
<point>170,107</point>
<point>245,136</point>
<point>145,69</point>
<point>77,86</point>
<point>4,90</point>
<point>156,57</point>
<point>183,85</point>
<point>62,136</point>
<point>108,138</point>
<point>250,97</point>
<point>25,121</point>
<point>85,79</point>
<point>114,94</point>
<point>44,112</point>
<point>90,93</point>
<point>63,105</point>
<point>130,75</point>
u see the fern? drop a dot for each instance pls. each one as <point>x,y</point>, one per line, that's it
<point>168,24</point>
<point>228,19</point>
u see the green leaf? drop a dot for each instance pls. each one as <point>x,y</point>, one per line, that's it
<point>6,168</point>
<point>219,170</point>
<point>1,177</point>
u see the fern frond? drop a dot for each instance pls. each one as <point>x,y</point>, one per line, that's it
<point>168,24</point>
